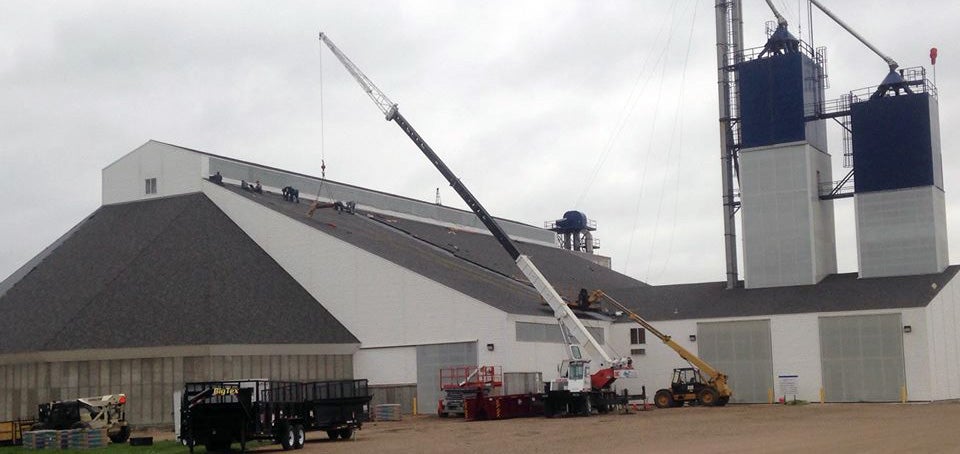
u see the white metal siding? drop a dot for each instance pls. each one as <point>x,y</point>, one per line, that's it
<point>901,232</point>
<point>788,232</point>
<point>177,172</point>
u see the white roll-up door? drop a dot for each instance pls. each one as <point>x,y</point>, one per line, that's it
<point>743,351</point>
<point>430,358</point>
<point>862,358</point>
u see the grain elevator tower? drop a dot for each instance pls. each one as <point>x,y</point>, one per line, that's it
<point>788,231</point>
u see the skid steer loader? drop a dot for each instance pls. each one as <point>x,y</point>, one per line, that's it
<point>98,412</point>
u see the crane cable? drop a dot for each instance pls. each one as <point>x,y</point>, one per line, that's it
<point>323,164</point>
<point>626,112</point>
<point>646,159</point>
<point>677,125</point>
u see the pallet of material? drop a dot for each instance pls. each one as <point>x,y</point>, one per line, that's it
<point>386,412</point>
<point>65,439</point>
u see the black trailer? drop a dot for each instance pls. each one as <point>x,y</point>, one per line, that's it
<point>217,414</point>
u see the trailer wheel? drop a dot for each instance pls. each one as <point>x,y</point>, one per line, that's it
<point>346,433</point>
<point>333,434</point>
<point>299,437</point>
<point>663,399</point>
<point>287,436</point>
<point>120,435</point>
<point>217,445</point>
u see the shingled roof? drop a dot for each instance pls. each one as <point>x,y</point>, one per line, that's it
<point>164,272</point>
<point>469,262</point>
<point>474,264</point>
<point>835,293</point>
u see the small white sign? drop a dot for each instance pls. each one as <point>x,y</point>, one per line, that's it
<point>789,384</point>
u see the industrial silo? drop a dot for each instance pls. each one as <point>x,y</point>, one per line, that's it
<point>900,207</point>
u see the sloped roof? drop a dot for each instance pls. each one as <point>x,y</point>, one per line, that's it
<point>164,272</point>
<point>835,293</point>
<point>475,264</point>
<point>471,263</point>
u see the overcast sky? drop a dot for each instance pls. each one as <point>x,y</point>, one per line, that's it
<point>540,107</point>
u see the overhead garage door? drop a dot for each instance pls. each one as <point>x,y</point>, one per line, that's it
<point>862,358</point>
<point>742,350</point>
<point>430,358</point>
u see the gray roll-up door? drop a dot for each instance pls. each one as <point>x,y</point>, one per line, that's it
<point>862,358</point>
<point>430,358</point>
<point>743,351</point>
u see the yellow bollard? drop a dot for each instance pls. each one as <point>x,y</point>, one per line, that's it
<point>822,394</point>
<point>414,405</point>
<point>769,395</point>
<point>903,394</point>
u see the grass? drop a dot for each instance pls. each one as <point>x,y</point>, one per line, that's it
<point>159,447</point>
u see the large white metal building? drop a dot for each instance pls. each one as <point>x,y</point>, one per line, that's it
<point>176,278</point>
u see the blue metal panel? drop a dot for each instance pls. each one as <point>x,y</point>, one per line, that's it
<point>892,146</point>
<point>771,100</point>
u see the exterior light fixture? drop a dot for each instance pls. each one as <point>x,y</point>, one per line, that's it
<point>693,338</point>
<point>907,328</point>
<point>489,347</point>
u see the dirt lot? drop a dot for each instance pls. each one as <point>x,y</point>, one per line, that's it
<point>831,428</point>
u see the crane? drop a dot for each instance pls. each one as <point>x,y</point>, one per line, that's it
<point>688,384</point>
<point>575,369</point>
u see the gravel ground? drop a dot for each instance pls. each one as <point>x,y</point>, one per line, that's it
<point>873,428</point>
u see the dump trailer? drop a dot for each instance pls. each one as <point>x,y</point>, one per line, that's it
<point>218,414</point>
<point>97,412</point>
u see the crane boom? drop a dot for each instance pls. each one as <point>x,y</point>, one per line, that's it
<point>562,312</point>
<point>890,62</point>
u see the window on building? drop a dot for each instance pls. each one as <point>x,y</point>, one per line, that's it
<point>638,351</point>
<point>638,336</point>
<point>542,332</point>
<point>151,186</point>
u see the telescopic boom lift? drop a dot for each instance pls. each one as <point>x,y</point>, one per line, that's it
<point>688,384</point>
<point>576,365</point>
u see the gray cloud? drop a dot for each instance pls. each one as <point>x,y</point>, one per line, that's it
<point>521,99</point>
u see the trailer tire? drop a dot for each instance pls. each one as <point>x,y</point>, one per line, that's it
<point>217,445</point>
<point>333,434</point>
<point>121,435</point>
<point>346,433</point>
<point>286,436</point>
<point>299,437</point>
<point>664,399</point>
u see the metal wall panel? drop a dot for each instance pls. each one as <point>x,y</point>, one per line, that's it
<point>149,382</point>
<point>862,358</point>
<point>742,350</point>
<point>896,143</point>
<point>430,358</point>
<point>550,332</point>
<point>775,95</point>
